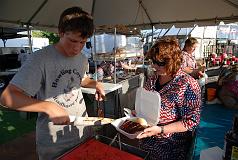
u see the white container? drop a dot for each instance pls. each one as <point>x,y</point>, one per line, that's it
<point>147,106</point>
<point>105,42</point>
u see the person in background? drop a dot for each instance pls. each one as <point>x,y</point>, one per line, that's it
<point>107,68</point>
<point>180,104</point>
<point>227,90</point>
<point>202,78</point>
<point>54,76</point>
<point>189,64</point>
<point>22,56</point>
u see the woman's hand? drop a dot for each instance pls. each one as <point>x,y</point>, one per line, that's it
<point>200,74</point>
<point>151,131</point>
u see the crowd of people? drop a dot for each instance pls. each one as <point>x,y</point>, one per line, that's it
<point>50,83</point>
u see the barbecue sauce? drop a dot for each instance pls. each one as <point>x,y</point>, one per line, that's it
<point>131,127</point>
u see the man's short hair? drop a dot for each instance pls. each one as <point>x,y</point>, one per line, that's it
<point>74,19</point>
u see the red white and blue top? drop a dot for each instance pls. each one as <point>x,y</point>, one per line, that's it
<point>180,99</point>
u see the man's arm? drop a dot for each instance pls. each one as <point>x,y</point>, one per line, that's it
<point>15,98</point>
<point>89,83</point>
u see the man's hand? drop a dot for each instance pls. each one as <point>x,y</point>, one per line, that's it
<point>57,114</point>
<point>100,93</point>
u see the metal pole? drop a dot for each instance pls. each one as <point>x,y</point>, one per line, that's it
<point>166,32</point>
<point>93,7</point>
<point>37,11</point>
<point>4,42</point>
<point>29,38</point>
<point>159,33</point>
<point>94,56</point>
<point>115,51</point>
<point>152,36</point>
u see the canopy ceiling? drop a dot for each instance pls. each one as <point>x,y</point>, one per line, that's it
<point>44,14</point>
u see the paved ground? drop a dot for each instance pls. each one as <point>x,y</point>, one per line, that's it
<point>22,148</point>
<point>216,120</point>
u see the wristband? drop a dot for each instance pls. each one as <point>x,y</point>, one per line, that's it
<point>162,129</point>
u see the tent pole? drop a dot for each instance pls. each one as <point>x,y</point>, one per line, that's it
<point>192,29</point>
<point>208,20</point>
<point>204,54</point>
<point>37,11</point>
<point>166,32</point>
<point>231,3</point>
<point>4,42</point>
<point>152,36</point>
<point>115,51</point>
<point>94,56</point>
<point>146,12</point>
<point>189,33</point>
<point>93,7</point>
<point>159,33</point>
<point>29,38</point>
<point>179,31</point>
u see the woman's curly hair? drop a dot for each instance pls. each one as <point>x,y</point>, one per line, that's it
<point>168,50</point>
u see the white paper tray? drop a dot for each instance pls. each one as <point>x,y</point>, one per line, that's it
<point>147,107</point>
<point>118,122</point>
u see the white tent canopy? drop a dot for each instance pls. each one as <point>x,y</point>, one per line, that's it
<point>44,14</point>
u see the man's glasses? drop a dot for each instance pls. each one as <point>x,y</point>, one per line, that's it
<point>159,63</point>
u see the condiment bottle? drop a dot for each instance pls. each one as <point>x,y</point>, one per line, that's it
<point>231,142</point>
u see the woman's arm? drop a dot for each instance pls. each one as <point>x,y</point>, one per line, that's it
<point>156,130</point>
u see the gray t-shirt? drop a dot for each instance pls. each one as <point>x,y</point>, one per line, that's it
<point>50,76</point>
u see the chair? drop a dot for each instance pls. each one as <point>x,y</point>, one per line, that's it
<point>192,146</point>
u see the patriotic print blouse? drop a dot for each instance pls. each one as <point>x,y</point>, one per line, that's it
<point>188,60</point>
<point>180,100</point>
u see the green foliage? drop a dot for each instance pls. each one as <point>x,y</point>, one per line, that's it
<point>53,38</point>
<point>13,125</point>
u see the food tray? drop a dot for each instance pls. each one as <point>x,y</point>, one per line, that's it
<point>118,122</point>
<point>126,151</point>
<point>147,106</point>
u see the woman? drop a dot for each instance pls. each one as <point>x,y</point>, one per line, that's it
<point>180,104</point>
<point>192,66</point>
<point>189,63</point>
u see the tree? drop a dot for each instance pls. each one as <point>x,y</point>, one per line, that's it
<point>53,38</point>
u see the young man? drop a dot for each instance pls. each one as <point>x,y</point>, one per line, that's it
<point>54,77</point>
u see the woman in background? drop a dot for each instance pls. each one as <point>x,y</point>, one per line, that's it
<point>189,63</point>
<point>180,104</point>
